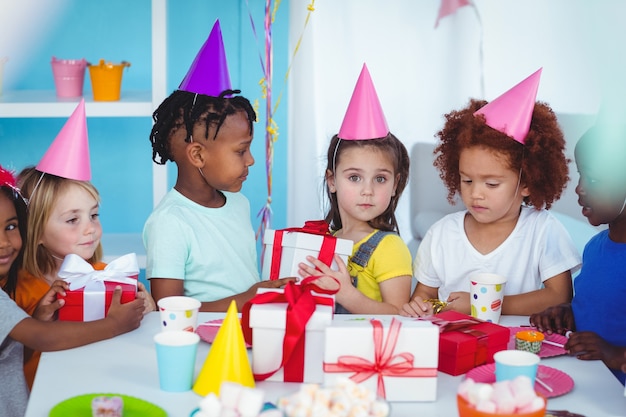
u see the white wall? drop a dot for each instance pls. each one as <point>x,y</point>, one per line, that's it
<point>421,72</point>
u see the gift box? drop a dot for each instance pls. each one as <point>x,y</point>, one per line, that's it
<point>285,249</point>
<point>285,326</point>
<point>91,291</point>
<point>392,356</point>
<point>466,342</point>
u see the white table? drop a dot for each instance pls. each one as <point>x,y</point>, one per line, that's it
<point>127,365</point>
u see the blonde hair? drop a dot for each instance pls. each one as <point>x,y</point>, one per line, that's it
<point>42,192</point>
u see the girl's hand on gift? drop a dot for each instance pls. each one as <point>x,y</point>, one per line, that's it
<point>274,283</point>
<point>320,268</point>
<point>557,319</point>
<point>417,307</point>
<point>125,317</point>
<point>458,301</point>
<point>148,302</point>
<point>49,304</point>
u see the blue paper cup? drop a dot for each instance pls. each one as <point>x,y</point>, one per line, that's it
<point>176,359</point>
<point>513,363</point>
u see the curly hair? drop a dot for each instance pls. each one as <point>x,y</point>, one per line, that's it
<point>183,108</point>
<point>542,161</point>
<point>13,194</point>
<point>398,154</point>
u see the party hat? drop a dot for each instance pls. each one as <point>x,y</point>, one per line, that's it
<point>364,118</point>
<point>208,73</point>
<point>68,155</point>
<point>512,112</point>
<point>227,360</point>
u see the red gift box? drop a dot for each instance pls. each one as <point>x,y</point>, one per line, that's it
<point>91,291</point>
<point>466,342</point>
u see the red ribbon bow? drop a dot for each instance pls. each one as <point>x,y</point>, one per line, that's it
<point>314,227</point>
<point>301,304</point>
<point>385,362</point>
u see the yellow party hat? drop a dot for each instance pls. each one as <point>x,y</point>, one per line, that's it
<point>227,359</point>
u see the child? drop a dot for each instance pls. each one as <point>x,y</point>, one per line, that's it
<point>17,328</point>
<point>506,160</point>
<point>597,314</point>
<point>199,240</point>
<point>367,171</point>
<point>62,219</point>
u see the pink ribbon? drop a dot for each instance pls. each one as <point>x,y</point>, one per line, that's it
<point>385,362</point>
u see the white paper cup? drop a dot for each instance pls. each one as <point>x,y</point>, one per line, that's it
<point>486,295</point>
<point>179,313</point>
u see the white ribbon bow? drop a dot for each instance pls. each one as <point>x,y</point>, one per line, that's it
<point>79,273</point>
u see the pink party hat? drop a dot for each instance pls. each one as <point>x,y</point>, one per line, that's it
<point>208,74</point>
<point>68,155</point>
<point>512,112</point>
<point>364,118</point>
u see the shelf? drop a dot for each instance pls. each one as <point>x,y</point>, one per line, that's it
<point>45,103</point>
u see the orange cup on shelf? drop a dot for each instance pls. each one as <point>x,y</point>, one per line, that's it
<point>467,410</point>
<point>106,80</point>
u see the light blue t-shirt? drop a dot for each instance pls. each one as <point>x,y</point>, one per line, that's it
<point>14,392</point>
<point>212,249</point>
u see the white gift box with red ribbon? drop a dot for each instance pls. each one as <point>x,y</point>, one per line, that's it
<point>91,291</point>
<point>286,248</point>
<point>393,356</point>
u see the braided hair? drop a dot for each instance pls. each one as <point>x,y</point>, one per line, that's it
<point>183,108</point>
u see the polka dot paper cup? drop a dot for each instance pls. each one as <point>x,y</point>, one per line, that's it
<point>487,293</point>
<point>179,313</point>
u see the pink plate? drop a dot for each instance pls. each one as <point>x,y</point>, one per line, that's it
<point>208,330</point>
<point>559,381</point>
<point>546,349</point>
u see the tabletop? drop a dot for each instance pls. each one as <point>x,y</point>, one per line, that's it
<point>127,365</point>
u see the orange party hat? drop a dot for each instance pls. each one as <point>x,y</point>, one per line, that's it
<point>228,358</point>
<point>68,155</point>
<point>512,112</point>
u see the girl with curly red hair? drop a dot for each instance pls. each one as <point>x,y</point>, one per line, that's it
<point>507,176</point>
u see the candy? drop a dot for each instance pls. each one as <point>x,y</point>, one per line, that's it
<point>504,397</point>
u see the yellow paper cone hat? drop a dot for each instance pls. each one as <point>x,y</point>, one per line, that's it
<point>228,358</point>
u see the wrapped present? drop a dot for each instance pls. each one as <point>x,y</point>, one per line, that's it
<point>91,291</point>
<point>285,325</point>
<point>392,356</point>
<point>466,342</point>
<point>284,249</point>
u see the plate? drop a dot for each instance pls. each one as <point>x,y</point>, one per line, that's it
<point>208,330</point>
<point>546,349</point>
<point>559,381</point>
<point>80,406</point>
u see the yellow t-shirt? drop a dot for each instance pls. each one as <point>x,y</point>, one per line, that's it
<point>390,259</point>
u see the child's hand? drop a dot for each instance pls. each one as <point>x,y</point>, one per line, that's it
<point>318,268</point>
<point>459,301</point>
<point>417,307</point>
<point>557,319</point>
<point>275,283</point>
<point>48,305</point>
<point>590,346</point>
<point>148,302</point>
<point>126,317</point>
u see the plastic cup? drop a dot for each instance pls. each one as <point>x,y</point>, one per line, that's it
<point>69,76</point>
<point>486,296</point>
<point>176,359</point>
<point>106,80</point>
<point>179,313</point>
<point>513,363</point>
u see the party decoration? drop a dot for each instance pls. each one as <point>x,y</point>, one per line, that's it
<point>7,178</point>
<point>512,112</point>
<point>208,73</point>
<point>449,7</point>
<point>227,360</point>
<point>364,118</point>
<point>68,155</point>
<point>271,128</point>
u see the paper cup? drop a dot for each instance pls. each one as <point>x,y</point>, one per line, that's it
<point>176,359</point>
<point>179,313</point>
<point>486,295</point>
<point>513,363</point>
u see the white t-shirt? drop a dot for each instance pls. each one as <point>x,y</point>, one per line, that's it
<point>538,249</point>
<point>212,249</point>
